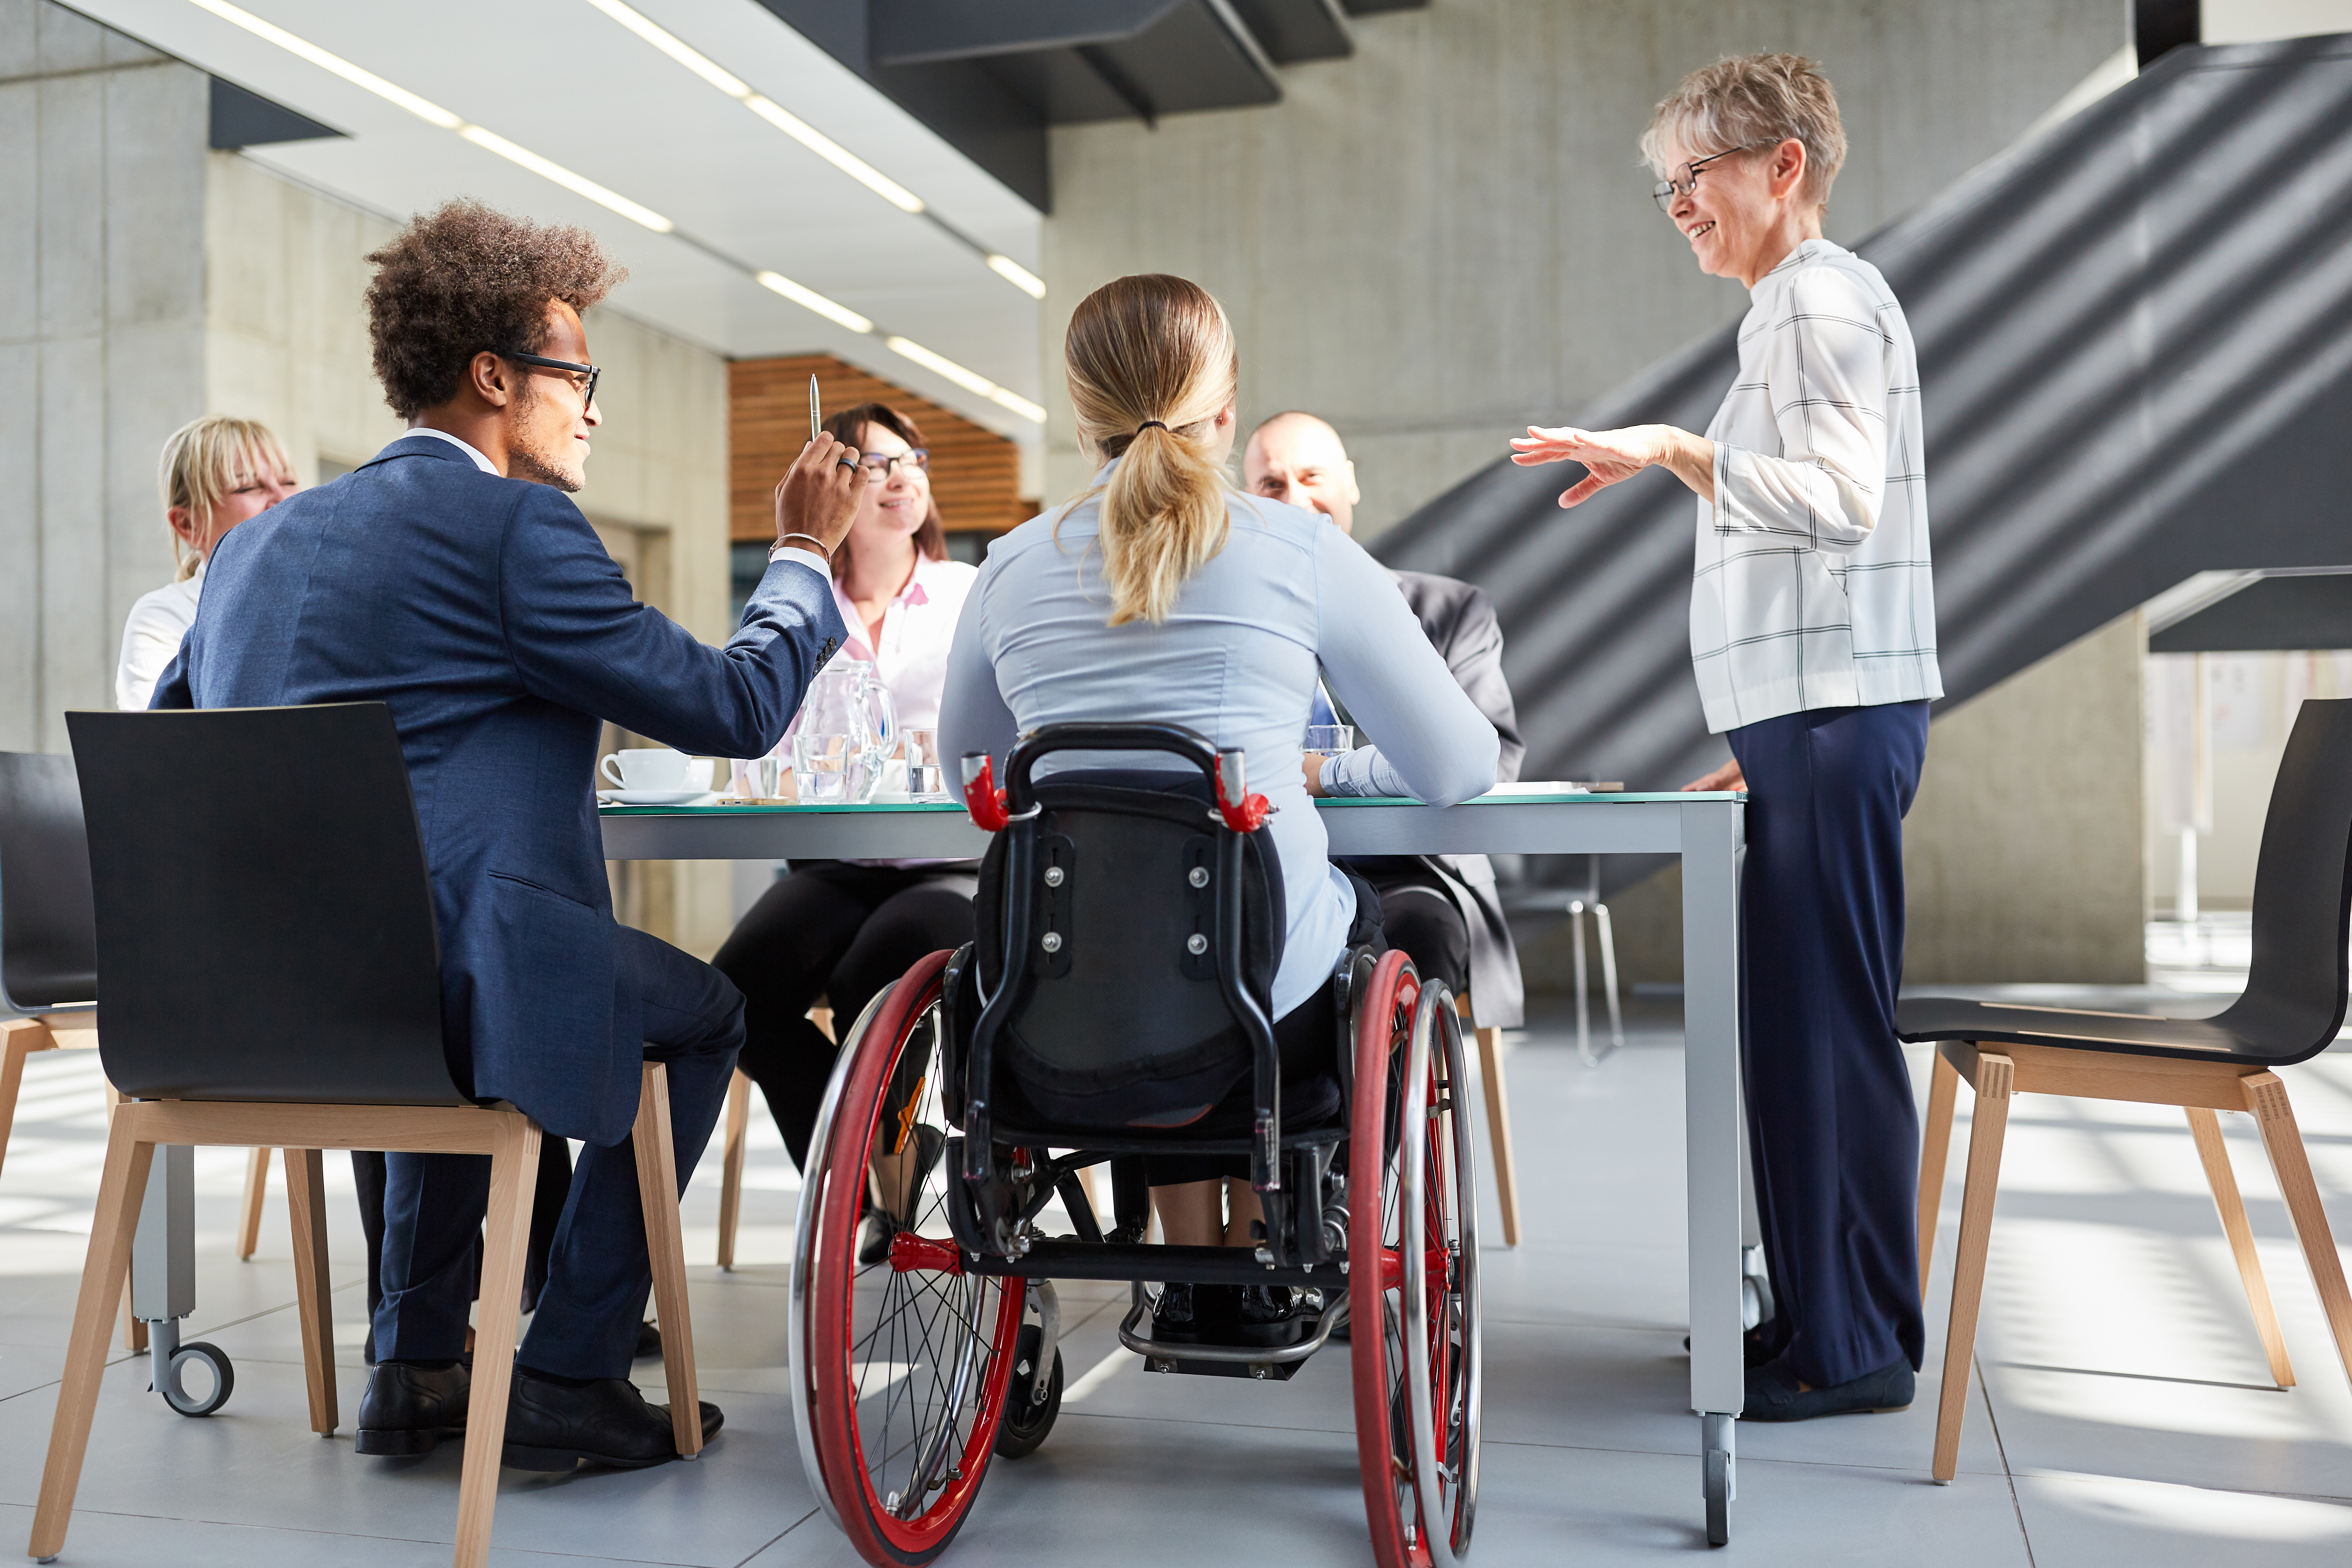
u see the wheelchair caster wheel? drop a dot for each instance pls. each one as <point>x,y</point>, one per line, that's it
<point>174,1386</point>
<point>1026,1422</point>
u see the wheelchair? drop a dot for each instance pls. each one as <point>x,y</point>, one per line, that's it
<point>1113,1006</point>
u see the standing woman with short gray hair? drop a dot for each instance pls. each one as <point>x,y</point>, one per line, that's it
<point>1813,638</point>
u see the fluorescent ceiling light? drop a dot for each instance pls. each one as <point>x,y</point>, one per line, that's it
<point>562,176</point>
<point>835,153</point>
<point>433,113</point>
<point>676,48</point>
<point>1006,397</point>
<point>1020,277</point>
<point>969,380</point>
<point>811,300</point>
<point>421,108</point>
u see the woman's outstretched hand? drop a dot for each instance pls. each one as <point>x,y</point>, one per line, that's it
<point>1615,455</point>
<point>1728,776</point>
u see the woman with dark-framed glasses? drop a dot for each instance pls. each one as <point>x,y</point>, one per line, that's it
<point>844,929</point>
<point>1813,638</point>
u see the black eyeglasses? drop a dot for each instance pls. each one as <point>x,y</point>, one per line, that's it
<point>1686,179</point>
<point>915,457</point>
<point>588,390</point>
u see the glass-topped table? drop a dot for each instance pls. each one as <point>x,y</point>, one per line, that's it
<point>1704,830</point>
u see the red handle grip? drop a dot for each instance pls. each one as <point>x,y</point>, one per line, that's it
<point>980,796</point>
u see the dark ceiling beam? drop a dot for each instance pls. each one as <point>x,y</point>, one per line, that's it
<point>926,32</point>
<point>1291,31</point>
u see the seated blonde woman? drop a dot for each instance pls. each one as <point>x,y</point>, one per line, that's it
<point>1165,595</point>
<point>216,472</point>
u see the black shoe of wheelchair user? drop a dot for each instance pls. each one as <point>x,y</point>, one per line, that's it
<point>1114,1010</point>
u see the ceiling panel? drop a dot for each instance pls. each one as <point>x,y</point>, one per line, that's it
<point>566,81</point>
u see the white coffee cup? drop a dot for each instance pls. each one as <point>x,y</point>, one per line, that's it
<point>653,768</point>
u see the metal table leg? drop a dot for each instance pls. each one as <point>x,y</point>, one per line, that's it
<point>1711,852</point>
<point>163,1283</point>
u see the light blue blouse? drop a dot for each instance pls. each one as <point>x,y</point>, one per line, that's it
<point>1236,660</point>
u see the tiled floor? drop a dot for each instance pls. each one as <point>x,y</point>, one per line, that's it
<point>2121,1412</point>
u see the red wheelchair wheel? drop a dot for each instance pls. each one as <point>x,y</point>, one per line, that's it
<point>1412,1272</point>
<point>901,1359</point>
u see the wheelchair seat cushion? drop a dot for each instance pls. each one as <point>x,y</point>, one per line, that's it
<point>1120,1022</point>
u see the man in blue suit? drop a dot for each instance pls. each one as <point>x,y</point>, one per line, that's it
<point>452,579</point>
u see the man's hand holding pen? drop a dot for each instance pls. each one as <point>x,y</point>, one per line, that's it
<point>817,498</point>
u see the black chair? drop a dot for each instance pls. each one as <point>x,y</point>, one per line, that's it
<point>48,939</point>
<point>2292,1009</point>
<point>273,978</point>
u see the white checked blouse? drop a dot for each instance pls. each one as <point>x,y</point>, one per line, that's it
<point>1812,585</point>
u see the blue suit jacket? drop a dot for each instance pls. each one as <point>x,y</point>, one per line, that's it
<point>485,612</point>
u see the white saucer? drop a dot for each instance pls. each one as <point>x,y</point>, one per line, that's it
<point>657,796</point>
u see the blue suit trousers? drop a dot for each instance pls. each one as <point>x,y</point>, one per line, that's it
<point>1833,1130</point>
<point>598,1274</point>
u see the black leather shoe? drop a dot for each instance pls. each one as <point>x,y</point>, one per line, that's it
<point>1773,1394</point>
<point>608,1421</point>
<point>648,1342</point>
<point>1266,1315</point>
<point>1176,1317</point>
<point>408,1408</point>
<point>1755,1350</point>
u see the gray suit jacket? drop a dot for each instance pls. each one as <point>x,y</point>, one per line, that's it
<point>1459,621</point>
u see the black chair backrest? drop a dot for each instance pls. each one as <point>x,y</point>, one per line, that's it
<point>1121,1015</point>
<point>265,923</point>
<point>48,939</point>
<point>2295,988</point>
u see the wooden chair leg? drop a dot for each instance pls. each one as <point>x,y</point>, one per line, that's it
<point>19,1038</point>
<point>1996,1077</point>
<point>1498,1132</point>
<point>2206,1128</point>
<point>730,1167</point>
<point>134,1333</point>
<point>306,1205</point>
<point>1935,1158</point>
<point>2266,1097</point>
<point>514,1172</point>
<point>103,1276</point>
<point>666,1250</point>
<point>256,1190</point>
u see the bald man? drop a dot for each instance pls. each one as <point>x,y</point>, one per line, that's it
<point>1441,910</point>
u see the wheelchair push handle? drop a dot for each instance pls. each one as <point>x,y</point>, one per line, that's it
<point>993,808</point>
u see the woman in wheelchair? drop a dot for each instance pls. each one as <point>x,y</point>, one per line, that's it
<point>1164,595</point>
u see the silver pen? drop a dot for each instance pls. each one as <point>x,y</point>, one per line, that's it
<point>813,410</point>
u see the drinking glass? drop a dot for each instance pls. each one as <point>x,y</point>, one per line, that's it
<point>1330,740</point>
<point>927,779</point>
<point>828,770</point>
<point>833,751</point>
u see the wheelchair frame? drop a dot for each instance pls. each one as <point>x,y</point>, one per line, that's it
<point>1001,1176</point>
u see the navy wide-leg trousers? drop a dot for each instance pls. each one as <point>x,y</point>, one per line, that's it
<point>598,1273</point>
<point>1831,1127</point>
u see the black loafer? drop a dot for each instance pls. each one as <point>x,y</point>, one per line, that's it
<point>1267,1315</point>
<point>409,1408</point>
<point>607,1421</point>
<point>1773,1394</point>
<point>648,1342</point>
<point>1176,1318</point>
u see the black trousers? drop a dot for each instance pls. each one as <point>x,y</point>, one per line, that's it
<point>1831,1124</point>
<point>597,1272</point>
<point>838,931</point>
<point>1419,917</point>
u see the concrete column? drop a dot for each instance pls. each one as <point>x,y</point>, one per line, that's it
<point>102,316</point>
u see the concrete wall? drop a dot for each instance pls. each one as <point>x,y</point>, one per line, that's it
<point>1447,235</point>
<point>101,346</point>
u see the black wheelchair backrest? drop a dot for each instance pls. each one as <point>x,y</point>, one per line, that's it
<point>1127,936</point>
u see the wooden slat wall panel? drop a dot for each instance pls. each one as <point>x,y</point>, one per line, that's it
<point>975,473</point>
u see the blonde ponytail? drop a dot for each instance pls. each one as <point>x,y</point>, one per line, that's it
<point>1151,364</point>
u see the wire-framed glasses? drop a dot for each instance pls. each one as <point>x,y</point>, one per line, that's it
<point>915,457</point>
<point>587,388</point>
<point>1684,180</point>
